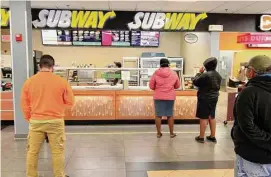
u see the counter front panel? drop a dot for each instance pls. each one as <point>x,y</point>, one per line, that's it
<point>185,107</point>
<point>92,105</point>
<point>134,105</point>
<point>114,105</point>
<point>7,106</point>
<point>140,105</point>
<point>126,105</point>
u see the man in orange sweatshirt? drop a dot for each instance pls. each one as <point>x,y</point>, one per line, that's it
<point>45,96</point>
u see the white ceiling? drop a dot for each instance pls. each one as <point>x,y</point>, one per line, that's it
<point>241,7</point>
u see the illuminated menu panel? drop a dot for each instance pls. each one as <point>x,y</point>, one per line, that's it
<point>135,38</point>
<point>101,38</point>
<point>145,38</point>
<point>87,37</point>
<point>56,37</point>
<point>116,38</point>
<point>149,38</point>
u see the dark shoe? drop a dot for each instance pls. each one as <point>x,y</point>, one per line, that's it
<point>173,135</point>
<point>159,135</point>
<point>212,139</point>
<point>47,139</point>
<point>199,139</point>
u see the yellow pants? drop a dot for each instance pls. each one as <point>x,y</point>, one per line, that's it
<point>55,130</point>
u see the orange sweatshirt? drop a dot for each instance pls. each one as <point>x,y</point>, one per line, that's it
<point>45,96</point>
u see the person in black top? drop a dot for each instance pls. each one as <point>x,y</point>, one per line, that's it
<point>208,84</point>
<point>116,80</point>
<point>251,132</point>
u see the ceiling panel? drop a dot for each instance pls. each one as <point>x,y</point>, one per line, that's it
<point>246,7</point>
<point>267,11</point>
<point>231,7</point>
<point>43,4</point>
<point>95,5</point>
<point>83,5</point>
<point>150,5</point>
<point>123,5</point>
<point>204,6</point>
<point>176,6</point>
<point>4,3</point>
<point>258,7</point>
<point>90,5</point>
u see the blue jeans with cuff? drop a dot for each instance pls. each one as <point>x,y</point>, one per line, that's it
<point>244,168</point>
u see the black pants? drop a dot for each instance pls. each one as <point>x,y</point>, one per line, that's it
<point>46,139</point>
<point>206,108</point>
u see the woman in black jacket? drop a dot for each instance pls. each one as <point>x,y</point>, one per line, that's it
<point>208,84</point>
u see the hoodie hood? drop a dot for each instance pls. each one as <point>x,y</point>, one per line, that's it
<point>210,64</point>
<point>163,72</point>
<point>263,82</point>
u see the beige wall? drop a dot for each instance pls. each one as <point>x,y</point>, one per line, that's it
<point>5,50</point>
<point>100,56</point>
<point>171,43</point>
<point>5,46</point>
<point>196,53</point>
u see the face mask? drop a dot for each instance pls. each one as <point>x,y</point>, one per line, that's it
<point>268,75</point>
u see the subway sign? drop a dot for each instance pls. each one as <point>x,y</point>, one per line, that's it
<point>143,21</point>
<point>166,21</point>
<point>72,19</point>
<point>84,19</point>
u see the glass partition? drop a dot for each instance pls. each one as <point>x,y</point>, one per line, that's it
<point>109,78</point>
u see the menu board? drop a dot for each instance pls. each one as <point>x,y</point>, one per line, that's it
<point>56,37</point>
<point>145,38</point>
<point>86,37</point>
<point>116,38</point>
<point>135,38</point>
<point>107,38</point>
<point>149,38</point>
<point>101,38</point>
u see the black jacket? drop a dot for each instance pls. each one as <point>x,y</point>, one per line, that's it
<point>208,84</point>
<point>116,80</point>
<point>251,132</point>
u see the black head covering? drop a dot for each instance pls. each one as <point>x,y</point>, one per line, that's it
<point>210,64</point>
<point>118,64</point>
<point>164,62</point>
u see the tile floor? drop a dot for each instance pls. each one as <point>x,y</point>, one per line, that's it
<point>193,173</point>
<point>129,151</point>
<point>221,111</point>
<point>123,151</point>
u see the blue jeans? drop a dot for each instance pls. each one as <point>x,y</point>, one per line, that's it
<point>244,168</point>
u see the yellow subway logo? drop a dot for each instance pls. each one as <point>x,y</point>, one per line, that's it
<point>166,21</point>
<point>83,19</point>
<point>4,17</point>
<point>73,19</point>
<point>184,21</point>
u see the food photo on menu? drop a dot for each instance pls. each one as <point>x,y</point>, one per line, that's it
<point>145,38</point>
<point>188,82</point>
<point>64,37</point>
<point>87,37</point>
<point>149,39</point>
<point>116,38</point>
<point>106,38</point>
<point>121,38</point>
